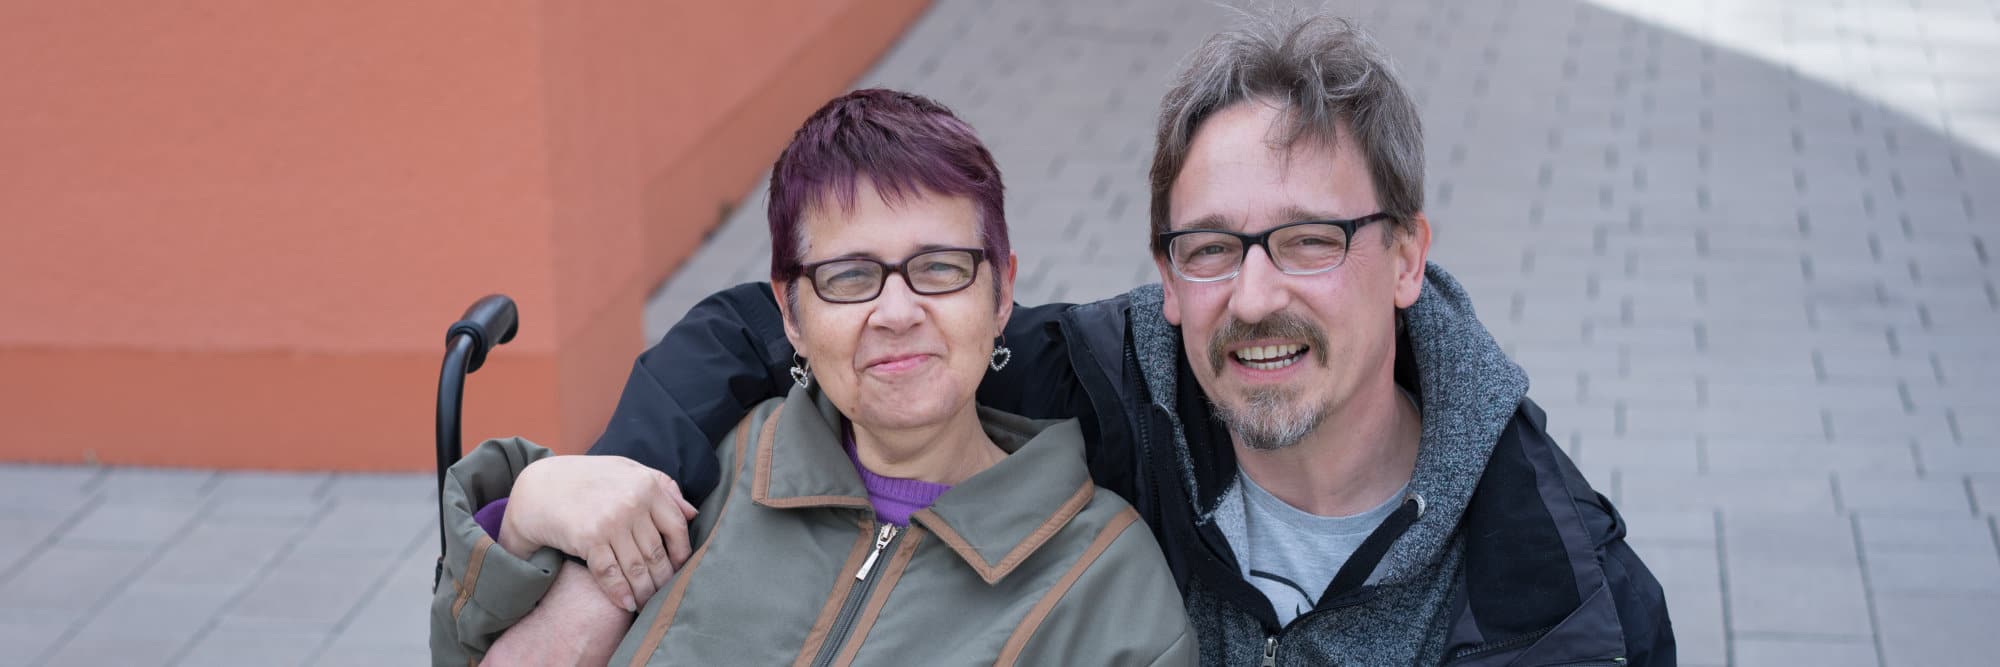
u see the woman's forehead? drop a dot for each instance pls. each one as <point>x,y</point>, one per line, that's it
<point>890,230</point>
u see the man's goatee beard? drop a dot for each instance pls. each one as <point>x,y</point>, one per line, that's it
<point>1268,419</point>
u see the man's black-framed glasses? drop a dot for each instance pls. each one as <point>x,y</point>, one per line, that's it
<point>1299,248</point>
<point>859,279</point>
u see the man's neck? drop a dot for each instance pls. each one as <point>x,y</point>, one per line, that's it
<point>1352,462</point>
<point>945,453</point>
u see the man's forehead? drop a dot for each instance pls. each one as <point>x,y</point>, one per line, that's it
<point>1287,213</point>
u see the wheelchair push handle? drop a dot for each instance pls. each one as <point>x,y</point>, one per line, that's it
<point>491,322</point>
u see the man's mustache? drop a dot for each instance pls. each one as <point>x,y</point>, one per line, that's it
<point>1278,325</point>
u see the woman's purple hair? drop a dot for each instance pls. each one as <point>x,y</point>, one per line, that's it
<point>906,145</point>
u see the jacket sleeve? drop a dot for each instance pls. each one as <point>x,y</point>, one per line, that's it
<point>727,355</point>
<point>1642,607</point>
<point>484,589</point>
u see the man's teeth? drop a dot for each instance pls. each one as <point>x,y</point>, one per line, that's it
<point>1270,357</point>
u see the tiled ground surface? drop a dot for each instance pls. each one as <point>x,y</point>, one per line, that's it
<point>1744,248</point>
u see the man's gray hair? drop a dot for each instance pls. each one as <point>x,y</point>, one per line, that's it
<point>1325,72</point>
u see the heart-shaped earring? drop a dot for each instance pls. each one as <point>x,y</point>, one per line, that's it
<point>801,371</point>
<point>1001,355</point>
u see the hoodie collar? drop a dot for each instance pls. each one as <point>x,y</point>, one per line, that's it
<point>994,520</point>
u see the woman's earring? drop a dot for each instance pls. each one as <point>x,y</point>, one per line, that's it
<point>1001,355</point>
<point>801,371</point>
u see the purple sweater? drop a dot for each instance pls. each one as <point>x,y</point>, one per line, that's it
<point>894,498</point>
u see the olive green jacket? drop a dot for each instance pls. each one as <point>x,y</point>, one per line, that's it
<point>1026,563</point>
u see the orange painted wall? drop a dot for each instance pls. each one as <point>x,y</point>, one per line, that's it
<point>232,233</point>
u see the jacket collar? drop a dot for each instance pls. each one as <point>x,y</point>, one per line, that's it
<point>993,521</point>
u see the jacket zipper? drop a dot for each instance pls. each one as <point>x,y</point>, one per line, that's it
<point>1355,597</point>
<point>844,623</point>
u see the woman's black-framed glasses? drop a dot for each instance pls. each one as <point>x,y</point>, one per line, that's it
<point>859,279</point>
<point>1299,248</point>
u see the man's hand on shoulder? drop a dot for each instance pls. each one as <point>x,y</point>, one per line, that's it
<point>628,521</point>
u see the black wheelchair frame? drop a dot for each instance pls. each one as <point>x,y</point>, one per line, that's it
<point>491,322</point>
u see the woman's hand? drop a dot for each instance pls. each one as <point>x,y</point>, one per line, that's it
<point>573,625</point>
<point>626,520</point>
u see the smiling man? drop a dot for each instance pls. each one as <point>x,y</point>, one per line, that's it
<point>1340,463</point>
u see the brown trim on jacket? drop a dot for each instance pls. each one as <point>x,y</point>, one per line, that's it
<point>658,630</point>
<point>880,596</point>
<point>1011,651</point>
<point>834,601</point>
<point>760,482</point>
<point>471,574</point>
<point>1021,551</point>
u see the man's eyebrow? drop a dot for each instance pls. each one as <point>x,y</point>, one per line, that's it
<point>1210,222</point>
<point>1296,214</point>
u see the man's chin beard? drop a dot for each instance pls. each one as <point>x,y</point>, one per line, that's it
<point>1268,419</point>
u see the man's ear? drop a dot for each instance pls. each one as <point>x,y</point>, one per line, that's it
<point>785,312</point>
<point>1171,307</point>
<point>1413,247</point>
<point>1006,278</point>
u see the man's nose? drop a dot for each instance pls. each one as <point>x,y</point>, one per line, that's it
<point>896,308</point>
<point>1259,289</point>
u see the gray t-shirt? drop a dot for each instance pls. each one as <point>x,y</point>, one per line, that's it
<point>1290,554</point>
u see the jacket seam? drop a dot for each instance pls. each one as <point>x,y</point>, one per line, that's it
<point>994,573</point>
<point>1018,641</point>
<point>471,574</point>
<point>658,631</point>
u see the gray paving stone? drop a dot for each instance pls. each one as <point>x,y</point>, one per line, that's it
<point>1794,573</point>
<point>154,483</point>
<point>29,479</point>
<point>383,487</point>
<point>1936,497</point>
<point>23,641</point>
<point>370,528</point>
<point>69,577</point>
<point>1928,630</point>
<point>114,651</point>
<point>1880,533</point>
<point>1986,494</point>
<point>133,523</point>
<point>261,646</point>
<point>335,584</point>
<point>1791,651</point>
<point>1748,455</point>
<point>1769,493</point>
<point>265,486</point>
<point>1970,572</point>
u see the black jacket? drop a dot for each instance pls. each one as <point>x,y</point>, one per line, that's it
<point>1538,567</point>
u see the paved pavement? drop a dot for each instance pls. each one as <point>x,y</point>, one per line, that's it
<point>1745,249</point>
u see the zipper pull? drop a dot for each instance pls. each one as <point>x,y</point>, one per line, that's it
<point>1271,651</point>
<point>882,538</point>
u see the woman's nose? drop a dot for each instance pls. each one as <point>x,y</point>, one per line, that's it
<point>897,307</point>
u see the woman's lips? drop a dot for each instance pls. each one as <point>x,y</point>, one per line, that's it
<point>897,363</point>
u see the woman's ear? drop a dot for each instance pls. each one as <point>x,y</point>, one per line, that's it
<point>786,304</point>
<point>1006,278</point>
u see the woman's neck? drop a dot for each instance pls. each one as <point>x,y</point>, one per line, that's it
<point>948,452</point>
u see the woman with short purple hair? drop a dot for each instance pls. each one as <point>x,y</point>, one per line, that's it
<point>874,515</point>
